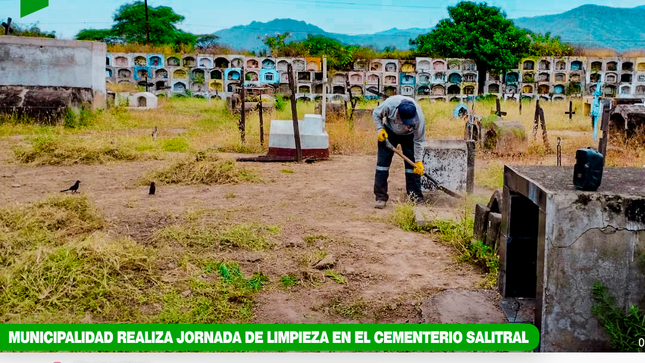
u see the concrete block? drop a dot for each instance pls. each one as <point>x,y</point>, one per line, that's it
<point>492,230</point>
<point>481,222</point>
<point>449,162</point>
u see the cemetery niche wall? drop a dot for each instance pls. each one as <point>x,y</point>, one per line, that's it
<point>549,78</point>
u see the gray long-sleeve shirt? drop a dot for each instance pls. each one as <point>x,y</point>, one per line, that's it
<point>386,114</point>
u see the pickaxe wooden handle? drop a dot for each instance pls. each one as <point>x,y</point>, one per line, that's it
<point>432,180</point>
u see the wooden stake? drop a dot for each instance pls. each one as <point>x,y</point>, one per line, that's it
<point>242,125</point>
<point>261,122</point>
<point>324,90</point>
<point>604,127</point>
<point>294,114</point>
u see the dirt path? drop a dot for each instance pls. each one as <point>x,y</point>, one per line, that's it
<point>389,271</point>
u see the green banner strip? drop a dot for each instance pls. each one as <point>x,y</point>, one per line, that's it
<point>266,337</point>
<point>31,6</point>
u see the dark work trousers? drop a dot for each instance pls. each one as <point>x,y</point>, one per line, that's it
<point>384,159</point>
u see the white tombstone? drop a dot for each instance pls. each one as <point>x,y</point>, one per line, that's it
<point>143,100</point>
<point>314,140</point>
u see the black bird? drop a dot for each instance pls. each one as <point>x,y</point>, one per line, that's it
<point>73,188</point>
<point>152,188</point>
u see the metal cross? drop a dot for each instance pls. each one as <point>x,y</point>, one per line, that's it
<point>7,27</point>
<point>571,111</point>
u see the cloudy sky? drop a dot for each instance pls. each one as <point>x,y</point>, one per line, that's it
<point>67,17</point>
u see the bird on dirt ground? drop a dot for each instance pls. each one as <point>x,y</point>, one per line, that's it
<point>153,189</point>
<point>73,188</point>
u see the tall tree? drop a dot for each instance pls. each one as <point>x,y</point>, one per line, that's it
<point>479,32</point>
<point>130,26</point>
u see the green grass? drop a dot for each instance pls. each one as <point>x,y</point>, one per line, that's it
<point>175,145</point>
<point>48,222</point>
<point>336,277</point>
<point>250,236</point>
<point>59,266</point>
<point>458,235</point>
<point>492,176</point>
<point>286,171</point>
<point>201,168</point>
<point>289,280</point>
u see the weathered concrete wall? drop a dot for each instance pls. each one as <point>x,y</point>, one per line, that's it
<point>451,163</point>
<point>590,238</point>
<point>51,63</point>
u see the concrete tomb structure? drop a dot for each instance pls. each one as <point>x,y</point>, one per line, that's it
<point>42,77</point>
<point>314,140</point>
<point>556,242</point>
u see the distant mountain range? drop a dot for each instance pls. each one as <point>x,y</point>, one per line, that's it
<point>249,37</point>
<point>590,25</point>
<point>594,26</point>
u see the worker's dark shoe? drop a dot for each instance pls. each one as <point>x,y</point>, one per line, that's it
<point>380,204</point>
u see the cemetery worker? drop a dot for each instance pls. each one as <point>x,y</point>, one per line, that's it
<point>400,120</point>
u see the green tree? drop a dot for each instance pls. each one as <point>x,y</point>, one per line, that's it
<point>547,46</point>
<point>277,42</point>
<point>130,26</point>
<point>338,56</point>
<point>479,32</point>
<point>206,42</point>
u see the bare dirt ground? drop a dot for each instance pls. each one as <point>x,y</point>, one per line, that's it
<point>390,272</point>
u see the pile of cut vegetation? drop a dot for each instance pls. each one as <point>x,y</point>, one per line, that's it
<point>204,167</point>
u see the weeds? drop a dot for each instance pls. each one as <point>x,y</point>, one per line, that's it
<point>624,329</point>
<point>289,280</point>
<point>336,277</point>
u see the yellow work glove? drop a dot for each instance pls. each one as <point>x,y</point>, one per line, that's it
<point>418,168</point>
<point>382,135</point>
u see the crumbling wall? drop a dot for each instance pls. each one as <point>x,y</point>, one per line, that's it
<point>45,105</point>
<point>41,76</point>
<point>590,238</point>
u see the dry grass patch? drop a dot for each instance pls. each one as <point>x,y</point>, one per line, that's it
<point>201,168</point>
